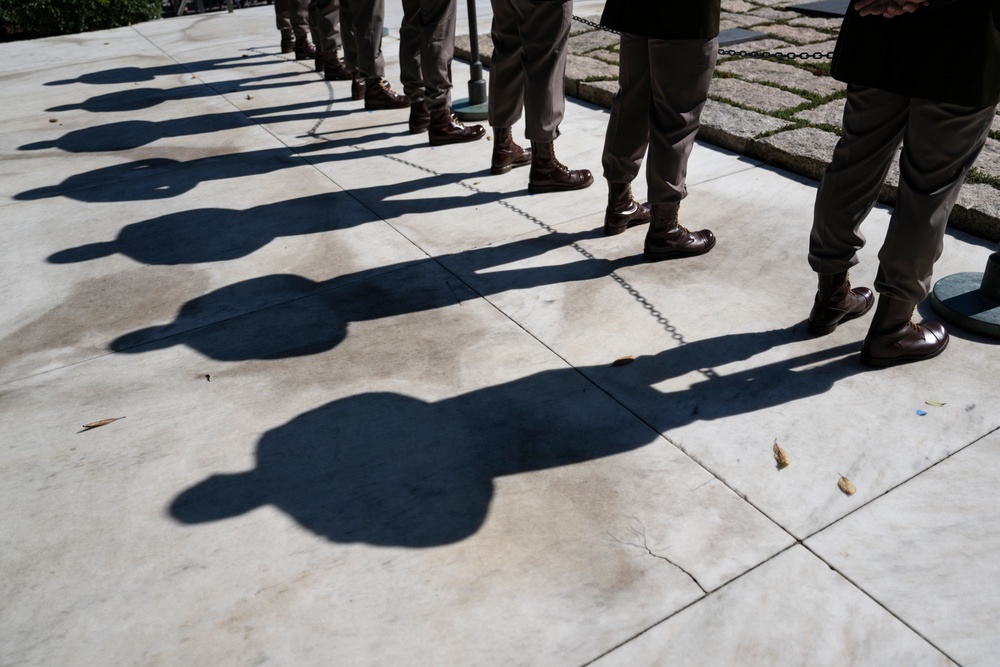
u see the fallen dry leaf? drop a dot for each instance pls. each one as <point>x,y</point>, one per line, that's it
<point>846,485</point>
<point>53,120</point>
<point>249,97</point>
<point>781,456</point>
<point>102,422</point>
<point>623,361</point>
<point>934,404</point>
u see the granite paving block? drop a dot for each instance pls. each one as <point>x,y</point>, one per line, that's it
<point>729,21</point>
<point>734,128</point>
<point>924,550</point>
<point>754,95</point>
<point>767,14</point>
<point>822,8</point>
<point>988,161</point>
<point>831,113</point>
<point>805,151</point>
<point>820,618</point>
<point>796,35</point>
<point>592,41</point>
<point>601,93</point>
<point>784,75</point>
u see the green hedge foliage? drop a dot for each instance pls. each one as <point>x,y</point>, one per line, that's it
<point>27,19</point>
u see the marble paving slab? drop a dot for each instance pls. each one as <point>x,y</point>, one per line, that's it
<point>792,610</point>
<point>724,366</point>
<point>70,50</point>
<point>927,552</point>
<point>113,273</point>
<point>43,159</point>
<point>437,486</point>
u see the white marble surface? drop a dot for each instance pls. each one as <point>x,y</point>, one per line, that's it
<point>793,610</point>
<point>413,447</point>
<point>438,486</point>
<point>926,551</point>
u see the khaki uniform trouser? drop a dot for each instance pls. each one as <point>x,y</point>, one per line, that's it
<point>426,47</point>
<point>528,65</point>
<point>663,86</point>
<point>363,19</point>
<point>940,144</point>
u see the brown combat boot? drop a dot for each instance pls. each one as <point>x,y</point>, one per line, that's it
<point>287,41</point>
<point>836,301</point>
<point>304,50</point>
<point>667,239</point>
<point>506,153</point>
<point>333,68</point>
<point>446,129</point>
<point>550,175</point>
<point>378,95</point>
<point>623,210</point>
<point>893,338</point>
<point>358,87</point>
<point>420,117</point>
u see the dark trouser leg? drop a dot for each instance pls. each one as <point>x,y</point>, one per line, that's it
<point>506,85</point>
<point>680,74</point>
<point>627,135</point>
<point>872,129</point>
<point>940,144</point>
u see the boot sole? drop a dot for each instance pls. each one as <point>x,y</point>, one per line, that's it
<point>379,107</point>
<point>886,362</point>
<point>455,140</point>
<point>539,189</point>
<point>656,257</point>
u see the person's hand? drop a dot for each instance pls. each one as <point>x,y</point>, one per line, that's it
<point>888,8</point>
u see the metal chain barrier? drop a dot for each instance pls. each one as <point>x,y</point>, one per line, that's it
<point>728,52</point>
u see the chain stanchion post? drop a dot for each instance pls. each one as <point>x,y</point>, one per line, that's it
<point>476,107</point>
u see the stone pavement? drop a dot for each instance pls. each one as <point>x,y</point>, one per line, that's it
<point>786,114</point>
<point>371,413</point>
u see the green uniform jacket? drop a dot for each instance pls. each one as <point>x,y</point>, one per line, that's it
<point>664,19</point>
<point>948,52</point>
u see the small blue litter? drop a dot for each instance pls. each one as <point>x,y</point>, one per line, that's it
<point>921,413</point>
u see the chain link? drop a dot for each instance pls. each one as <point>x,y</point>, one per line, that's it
<point>728,52</point>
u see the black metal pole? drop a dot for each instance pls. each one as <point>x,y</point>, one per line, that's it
<point>476,107</point>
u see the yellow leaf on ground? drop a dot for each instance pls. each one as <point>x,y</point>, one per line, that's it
<point>102,422</point>
<point>846,485</point>
<point>935,404</point>
<point>781,456</point>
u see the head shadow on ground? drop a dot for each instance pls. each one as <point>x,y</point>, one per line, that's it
<point>392,470</point>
